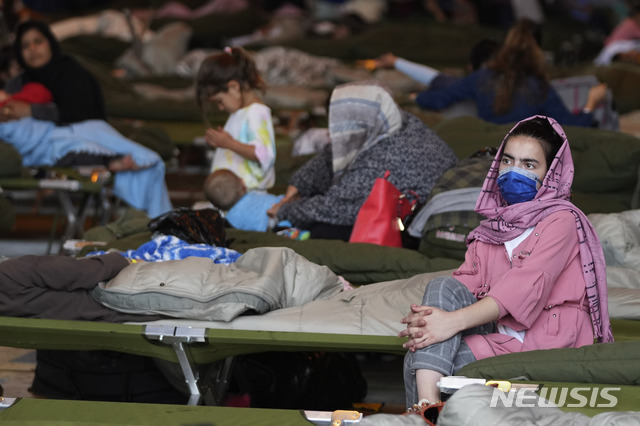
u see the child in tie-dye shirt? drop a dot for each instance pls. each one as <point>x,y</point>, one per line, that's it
<point>246,144</point>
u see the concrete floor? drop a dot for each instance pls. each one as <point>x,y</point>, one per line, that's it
<point>17,367</point>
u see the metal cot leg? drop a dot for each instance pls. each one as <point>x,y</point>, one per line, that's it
<point>179,338</point>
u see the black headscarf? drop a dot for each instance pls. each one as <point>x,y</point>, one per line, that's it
<point>75,91</point>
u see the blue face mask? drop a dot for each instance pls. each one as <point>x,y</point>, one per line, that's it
<point>517,185</point>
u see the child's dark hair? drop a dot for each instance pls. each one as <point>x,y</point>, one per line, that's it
<point>234,63</point>
<point>540,129</point>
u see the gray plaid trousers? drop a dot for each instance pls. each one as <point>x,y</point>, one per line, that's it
<point>448,294</point>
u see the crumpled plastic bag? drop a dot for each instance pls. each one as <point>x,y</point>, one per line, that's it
<point>205,226</point>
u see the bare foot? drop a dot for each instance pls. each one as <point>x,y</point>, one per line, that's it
<point>122,164</point>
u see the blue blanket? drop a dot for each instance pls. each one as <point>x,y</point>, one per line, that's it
<point>42,143</point>
<point>168,247</point>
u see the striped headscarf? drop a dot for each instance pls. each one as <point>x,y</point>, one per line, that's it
<point>505,222</point>
<point>360,115</point>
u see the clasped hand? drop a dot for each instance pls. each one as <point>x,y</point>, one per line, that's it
<point>219,138</point>
<point>426,325</point>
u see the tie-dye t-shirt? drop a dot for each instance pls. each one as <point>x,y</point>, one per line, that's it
<point>251,125</point>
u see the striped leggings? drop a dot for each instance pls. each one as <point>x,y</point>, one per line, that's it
<point>449,356</point>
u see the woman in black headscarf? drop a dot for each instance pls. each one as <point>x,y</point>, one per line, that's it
<point>72,130</point>
<point>76,93</point>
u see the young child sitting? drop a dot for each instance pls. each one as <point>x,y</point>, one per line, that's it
<point>246,144</point>
<point>246,210</point>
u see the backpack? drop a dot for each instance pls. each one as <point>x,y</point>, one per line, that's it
<point>443,223</point>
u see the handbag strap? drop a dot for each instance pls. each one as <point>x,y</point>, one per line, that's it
<point>402,212</point>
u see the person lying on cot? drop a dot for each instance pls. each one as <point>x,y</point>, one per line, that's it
<point>51,125</point>
<point>88,143</point>
<point>37,94</point>
<point>194,287</point>
<point>139,171</point>
<point>59,287</point>
<point>534,271</point>
<point>514,85</point>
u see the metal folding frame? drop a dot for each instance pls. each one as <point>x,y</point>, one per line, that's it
<point>95,194</point>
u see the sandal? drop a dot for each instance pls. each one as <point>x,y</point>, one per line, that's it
<point>427,410</point>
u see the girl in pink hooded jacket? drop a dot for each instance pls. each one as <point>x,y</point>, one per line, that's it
<point>533,276</point>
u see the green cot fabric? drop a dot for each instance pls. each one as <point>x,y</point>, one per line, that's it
<point>212,31</point>
<point>606,162</point>
<point>121,100</point>
<point>10,167</point>
<point>103,50</point>
<point>421,42</point>
<point>286,164</point>
<point>627,397</point>
<point>153,137</point>
<point>137,107</point>
<point>358,263</point>
<point>130,223</point>
<point>109,84</point>
<point>467,135</point>
<point>612,363</point>
<point>27,182</point>
<point>10,161</point>
<point>181,133</point>
<point>7,215</point>
<point>32,412</point>
<point>36,333</point>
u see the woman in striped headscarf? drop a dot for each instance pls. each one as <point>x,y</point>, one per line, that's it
<point>369,135</point>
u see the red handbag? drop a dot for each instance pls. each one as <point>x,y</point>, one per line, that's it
<point>380,219</point>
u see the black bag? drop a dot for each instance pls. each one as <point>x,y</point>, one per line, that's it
<point>102,376</point>
<point>206,226</point>
<point>445,230</point>
<point>324,381</point>
<point>446,233</point>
